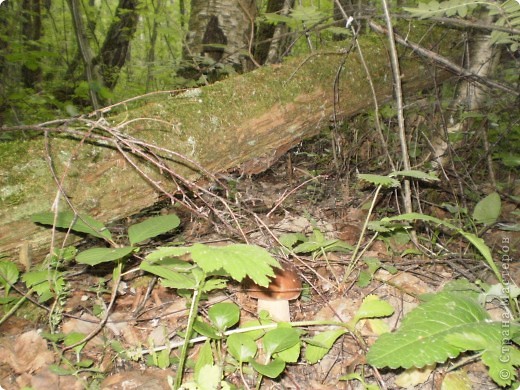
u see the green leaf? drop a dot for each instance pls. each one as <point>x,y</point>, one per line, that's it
<point>488,209</point>
<point>491,340</point>
<point>415,175</point>
<point>224,315</point>
<point>9,275</point>
<point>278,339</point>
<point>290,239</point>
<point>379,180</point>
<point>205,357</point>
<point>209,377</point>
<point>206,329</point>
<point>168,251</point>
<point>241,346</point>
<point>174,273</point>
<point>321,344</point>
<point>372,306</point>
<point>421,339</point>
<point>271,370</point>
<point>290,355</point>
<point>238,260</point>
<point>152,227</point>
<point>67,219</point>
<point>46,283</point>
<point>96,256</point>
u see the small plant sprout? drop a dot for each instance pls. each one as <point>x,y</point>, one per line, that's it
<point>275,298</point>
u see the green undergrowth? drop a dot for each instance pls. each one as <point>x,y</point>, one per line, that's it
<point>451,326</point>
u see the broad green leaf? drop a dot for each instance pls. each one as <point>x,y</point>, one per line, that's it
<point>421,339</point>
<point>488,209</point>
<point>96,256</point>
<point>238,260</point>
<point>241,346</point>
<point>205,357</point>
<point>278,339</point>
<point>256,334</point>
<point>209,377</point>
<point>224,315</point>
<point>271,370</point>
<point>67,219</point>
<point>491,340</point>
<point>8,275</point>
<point>206,329</point>
<point>291,354</point>
<point>321,344</point>
<point>379,180</point>
<point>152,227</point>
<point>372,307</point>
<point>415,175</point>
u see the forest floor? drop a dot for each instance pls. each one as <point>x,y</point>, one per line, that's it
<point>303,196</point>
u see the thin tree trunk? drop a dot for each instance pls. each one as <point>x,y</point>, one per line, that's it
<point>85,52</point>
<point>32,32</point>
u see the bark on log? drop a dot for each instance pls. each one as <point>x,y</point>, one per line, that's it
<point>246,121</point>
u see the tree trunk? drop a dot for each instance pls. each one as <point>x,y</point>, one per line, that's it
<point>85,52</point>
<point>247,121</point>
<point>117,42</point>
<point>266,32</point>
<point>219,33</point>
<point>32,32</point>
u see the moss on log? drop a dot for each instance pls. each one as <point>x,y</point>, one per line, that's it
<point>247,121</point>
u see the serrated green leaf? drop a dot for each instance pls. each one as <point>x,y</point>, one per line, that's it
<point>152,227</point>
<point>379,180</point>
<point>288,240</point>
<point>271,370</point>
<point>224,315</point>
<point>238,260</point>
<point>167,251</point>
<point>241,346</point>
<point>174,273</point>
<point>415,175</point>
<point>421,339</point>
<point>488,209</point>
<point>96,256</point>
<point>321,344</point>
<point>67,219</point>
<point>364,278</point>
<point>9,275</point>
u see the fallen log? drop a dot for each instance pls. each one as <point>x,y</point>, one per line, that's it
<point>246,121</point>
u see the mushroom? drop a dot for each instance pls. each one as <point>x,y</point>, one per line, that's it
<point>275,298</point>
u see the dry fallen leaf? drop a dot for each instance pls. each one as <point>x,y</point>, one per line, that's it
<point>25,353</point>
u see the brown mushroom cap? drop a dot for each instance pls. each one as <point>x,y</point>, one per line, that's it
<point>285,286</point>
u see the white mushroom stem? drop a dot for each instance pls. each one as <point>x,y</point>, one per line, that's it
<point>277,309</point>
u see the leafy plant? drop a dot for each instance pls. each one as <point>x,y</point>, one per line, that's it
<point>507,13</point>
<point>446,325</point>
